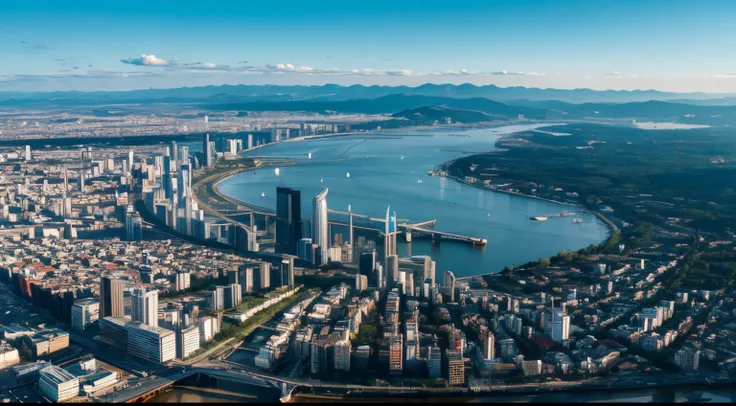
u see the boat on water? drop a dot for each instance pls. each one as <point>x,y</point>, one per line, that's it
<point>577,220</point>
<point>539,218</point>
<point>321,180</point>
<point>348,175</point>
<point>263,194</point>
<point>419,181</point>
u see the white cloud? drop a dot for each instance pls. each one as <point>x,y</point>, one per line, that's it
<point>147,60</point>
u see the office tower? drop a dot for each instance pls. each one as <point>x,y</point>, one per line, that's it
<point>688,359</point>
<point>28,153</point>
<point>303,249</point>
<point>287,271</point>
<point>111,297</point>
<point>183,281</point>
<point>367,264</point>
<point>187,342</point>
<point>489,345</point>
<point>288,220</point>
<point>455,368</point>
<point>320,229</point>
<point>232,296</point>
<point>145,306</point>
<point>130,161</point>
<point>264,275</point>
<point>396,354</point>
<point>207,151</point>
<point>390,234</point>
<point>174,152</point>
<point>560,324</point>
<point>184,157</point>
<point>434,362</point>
<point>233,277</point>
<point>450,285</point>
<point>392,270</point>
<point>216,299</point>
<point>85,312</point>
<point>350,238</point>
<point>245,279</point>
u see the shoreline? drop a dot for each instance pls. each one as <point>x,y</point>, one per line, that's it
<point>229,174</point>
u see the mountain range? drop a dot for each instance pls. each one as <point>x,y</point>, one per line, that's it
<point>332,92</point>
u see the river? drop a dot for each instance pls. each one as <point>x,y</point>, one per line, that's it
<point>386,169</point>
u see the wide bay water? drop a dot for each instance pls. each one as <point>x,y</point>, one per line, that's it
<point>385,170</point>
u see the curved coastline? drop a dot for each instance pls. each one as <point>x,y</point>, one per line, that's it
<point>217,181</point>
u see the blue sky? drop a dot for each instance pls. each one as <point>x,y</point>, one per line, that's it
<point>626,44</point>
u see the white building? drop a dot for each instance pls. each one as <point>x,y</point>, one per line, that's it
<point>183,281</point>
<point>8,355</point>
<point>145,306</point>
<point>207,328</point>
<point>560,326</point>
<point>151,343</point>
<point>320,232</point>
<point>58,384</point>
<point>187,342</point>
<point>85,312</point>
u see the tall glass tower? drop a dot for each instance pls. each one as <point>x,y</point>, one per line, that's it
<point>320,234</point>
<point>288,220</point>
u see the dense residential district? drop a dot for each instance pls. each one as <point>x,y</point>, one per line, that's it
<point>115,273</point>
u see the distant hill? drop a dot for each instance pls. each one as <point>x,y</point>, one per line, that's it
<point>428,115</point>
<point>332,92</point>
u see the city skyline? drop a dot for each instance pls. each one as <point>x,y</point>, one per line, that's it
<point>663,45</point>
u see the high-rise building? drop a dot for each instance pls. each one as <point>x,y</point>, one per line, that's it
<point>489,345</point>
<point>111,297</point>
<point>396,354</point>
<point>560,324</point>
<point>367,264</point>
<point>434,362</point>
<point>688,359</point>
<point>232,296</point>
<point>264,275</point>
<point>187,342</point>
<point>28,153</point>
<point>144,305</point>
<point>450,285</point>
<point>85,312</point>
<point>392,270</point>
<point>183,281</point>
<point>455,368</point>
<point>207,151</point>
<point>288,220</point>
<point>216,298</point>
<point>174,151</point>
<point>320,232</point>
<point>390,234</point>
<point>246,279</point>
<point>130,160</point>
<point>287,271</point>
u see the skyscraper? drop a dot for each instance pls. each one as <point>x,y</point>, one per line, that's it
<point>207,151</point>
<point>350,240</point>
<point>287,270</point>
<point>392,270</point>
<point>489,345</point>
<point>288,220</point>
<point>145,306</point>
<point>130,161</point>
<point>174,152</point>
<point>111,297</point>
<point>450,284</point>
<point>184,158</point>
<point>28,153</point>
<point>319,222</point>
<point>367,263</point>
<point>390,238</point>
